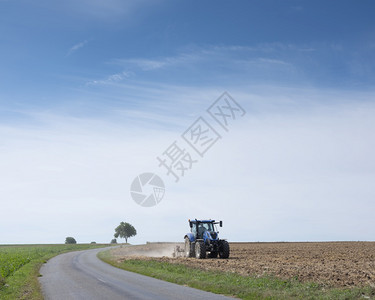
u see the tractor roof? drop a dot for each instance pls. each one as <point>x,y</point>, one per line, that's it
<point>202,221</point>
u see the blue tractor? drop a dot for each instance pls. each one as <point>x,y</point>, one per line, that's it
<point>203,239</point>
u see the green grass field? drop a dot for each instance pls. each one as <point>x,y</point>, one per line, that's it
<point>232,284</point>
<point>20,264</point>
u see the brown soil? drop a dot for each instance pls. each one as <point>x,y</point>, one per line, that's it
<point>339,264</point>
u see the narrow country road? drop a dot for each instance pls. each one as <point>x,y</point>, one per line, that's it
<point>81,275</point>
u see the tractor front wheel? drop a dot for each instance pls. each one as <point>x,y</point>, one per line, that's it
<point>189,248</point>
<point>200,249</point>
<point>224,249</point>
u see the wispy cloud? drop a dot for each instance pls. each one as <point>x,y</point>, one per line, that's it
<point>223,63</point>
<point>76,47</point>
<point>272,53</point>
<point>272,61</point>
<point>110,79</point>
<point>162,62</point>
<point>148,64</point>
<point>263,47</point>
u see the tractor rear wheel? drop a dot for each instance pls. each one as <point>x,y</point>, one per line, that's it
<point>224,249</point>
<point>189,248</point>
<point>200,249</point>
<point>213,254</point>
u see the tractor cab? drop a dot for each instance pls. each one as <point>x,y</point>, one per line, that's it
<point>199,228</point>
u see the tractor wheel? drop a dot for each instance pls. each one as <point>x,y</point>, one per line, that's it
<point>213,254</point>
<point>189,248</point>
<point>200,249</point>
<point>224,249</point>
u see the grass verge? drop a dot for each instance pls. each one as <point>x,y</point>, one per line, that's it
<point>232,284</point>
<point>20,280</point>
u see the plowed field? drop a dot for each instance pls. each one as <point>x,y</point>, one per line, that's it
<point>336,264</point>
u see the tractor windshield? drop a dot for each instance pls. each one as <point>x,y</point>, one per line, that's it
<point>208,226</point>
<point>202,227</point>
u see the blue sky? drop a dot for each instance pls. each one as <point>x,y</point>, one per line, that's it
<point>92,91</point>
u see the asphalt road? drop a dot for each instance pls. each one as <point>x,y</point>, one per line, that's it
<point>81,275</point>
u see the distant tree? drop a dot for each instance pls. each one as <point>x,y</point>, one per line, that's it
<point>125,230</point>
<point>70,240</point>
<point>93,243</point>
<point>113,241</point>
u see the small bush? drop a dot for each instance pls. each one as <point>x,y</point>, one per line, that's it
<point>113,241</point>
